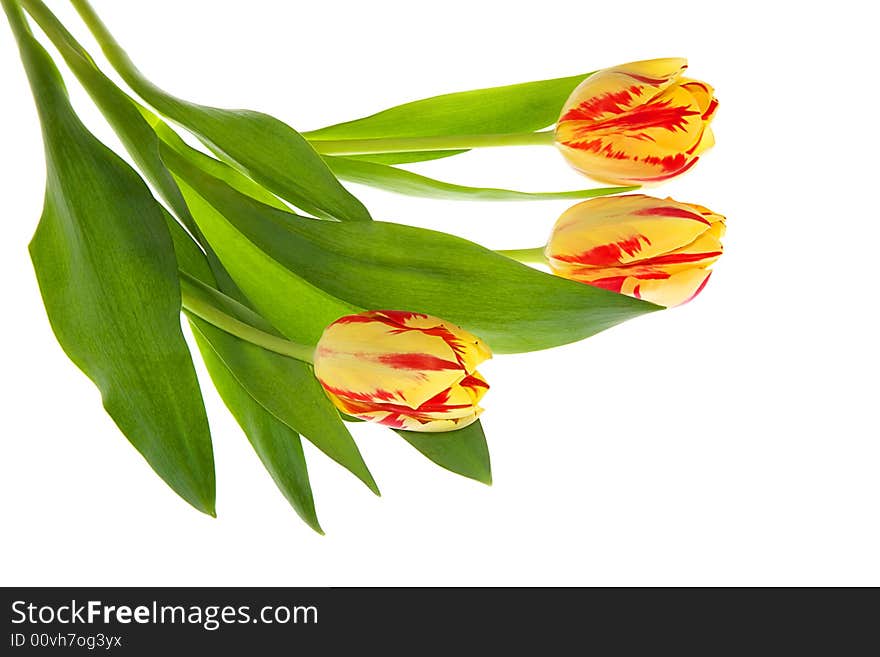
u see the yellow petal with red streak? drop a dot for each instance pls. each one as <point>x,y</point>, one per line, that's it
<point>614,91</point>
<point>676,290</point>
<point>618,230</point>
<point>406,370</point>
<point>702,92</point>
<point>652,141</point>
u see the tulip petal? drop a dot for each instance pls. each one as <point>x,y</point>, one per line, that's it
<point>675,290</point>
<point>620,230</point>
<point>635,123</point>
<point>614,91</point>
<point>658,287</point>
<point>704,94</point>
<point>405,370</point>
<point>708,215</point>
<point>707,141</point>
<point>365,364</point>
<point>651,142</point>
<point>644,247</point>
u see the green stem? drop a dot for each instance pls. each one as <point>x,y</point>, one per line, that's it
<point>16,19</point>
<point>67,45</point>
<point>193,297</point>
<point>120,60</point>
<point>165,103</point>
<point>535,255</point>
<point>443,143</point>
<point>198,303</point>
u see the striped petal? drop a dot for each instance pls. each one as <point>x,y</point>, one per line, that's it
<point>653,249</point>
<point>675,290</point>
<point>405,370</point>
<point>611,92</point>
<point>455,407</point>
<point>637,123</point>
<point>410,423</point>
<point>618,230</point>
<point>704,94</point>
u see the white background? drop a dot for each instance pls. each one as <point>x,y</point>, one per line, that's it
<point>732,441</point>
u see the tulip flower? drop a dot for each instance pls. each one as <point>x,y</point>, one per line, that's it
<point>401,369</point>
<point>637,123</point>
<point>649,248</point>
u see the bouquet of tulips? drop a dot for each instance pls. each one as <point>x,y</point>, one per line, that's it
<point>308,313</point>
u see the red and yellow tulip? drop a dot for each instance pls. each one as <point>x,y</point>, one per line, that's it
<point>401,369</point>
<point>637,123</point>
<point>649,248</point>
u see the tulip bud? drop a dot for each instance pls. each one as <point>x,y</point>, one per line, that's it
<point>649,248</point>
<point>401,369</point>
<point>637,123</point>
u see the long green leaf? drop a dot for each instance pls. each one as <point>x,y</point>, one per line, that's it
<point>231,176</point>
<point>266,149</point>
<point>285,387</point>
<point>289,391</point>
<point>382,265</point>
<point>401,181</point>
<point>464,451</point>
<point>290,303</point>
<point>256,383</point>
<point>107,272</point>
<point>497,110</point>
<point>277,445</point>
<point>270,377</point>
<point>134,124</point>
<point>190,258</point>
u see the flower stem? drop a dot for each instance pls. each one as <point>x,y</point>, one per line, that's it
<point>535,255</point>
<point>197,302</point>
<point>120,60</point>
<point>442,143</point>
<point>163,102</point>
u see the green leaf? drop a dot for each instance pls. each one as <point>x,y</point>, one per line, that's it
<point>134,124</point>
<point>255,383</point>
<point>118,108</point>
<point>266,149</point>
<point>106,269</point>
<point>216,168</point>
<point>277,445</point>
<point>463,452</point>
<point>497,110</point>
<point>190,258</point>
<point>284,387</point>
<point>299,309</point>
<point>401,181</point>
<point>380,265</point>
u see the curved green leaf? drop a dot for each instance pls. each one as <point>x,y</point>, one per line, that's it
<point>231,176</point>
<point>107,272</point>
<point>382,265</point>
<point>284,387</point>
<point>190,258</point>
<point>277,445</point>
<point>134,124</point>
<point>402,181</point>
<point>494,111</point>
<point>299,309</point>
<point>266,149</point>
<point>463,452</point>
